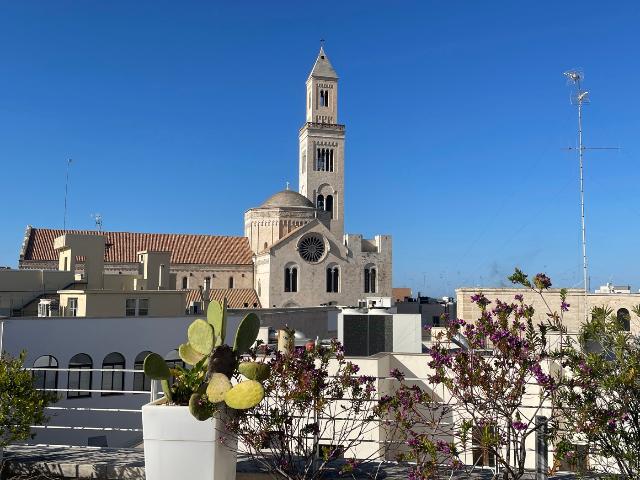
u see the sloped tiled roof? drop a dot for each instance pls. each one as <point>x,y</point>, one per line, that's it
<point>122,247</point>
<point>236,297</point>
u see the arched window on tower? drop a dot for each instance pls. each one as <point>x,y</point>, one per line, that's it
<point>370,279</point>
<point>328,204</point>
<point>326,98</point>
<point>322,98</point>
<point>320,202</point>
<point>330,162</point>
<point>320,160</point>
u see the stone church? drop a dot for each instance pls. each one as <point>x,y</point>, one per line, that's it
<point>294,252</point>
<point>301,254</point>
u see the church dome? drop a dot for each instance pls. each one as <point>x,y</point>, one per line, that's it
<point>287,198</point>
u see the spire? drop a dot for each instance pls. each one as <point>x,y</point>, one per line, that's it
<point>323,67</point>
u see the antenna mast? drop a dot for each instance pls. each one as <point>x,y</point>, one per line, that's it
<point>581,97</point>
<point>66,190</point>
<point>98,219</point>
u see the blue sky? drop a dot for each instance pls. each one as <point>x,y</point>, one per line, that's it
<point>181,115</point>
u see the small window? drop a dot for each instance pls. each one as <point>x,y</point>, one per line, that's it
<point>624,319</point>
<point>333,279</point>
<point>114,379</point>
<point>436,320</point>
<point>370,280</point>
<point>483,455</point>
<point>140,381</point>
<point>79,378</point>
<point>130,307</point>
<point>46,375</point>
<point>291,279</point>
<point>72,306</point>
<point>207,283</point>
<point>185,283</point>
<point>230,282</point>
<point>143,307</point>
<point>320,202</point>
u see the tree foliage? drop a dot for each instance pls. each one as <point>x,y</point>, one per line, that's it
<point>21,404</point>
<point>600,395</point>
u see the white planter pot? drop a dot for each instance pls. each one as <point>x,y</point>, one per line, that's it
<point>176,445</point>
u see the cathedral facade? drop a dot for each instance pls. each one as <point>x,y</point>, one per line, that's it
<point>302,257</point>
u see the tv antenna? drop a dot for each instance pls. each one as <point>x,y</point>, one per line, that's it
<point>66,191</point>
<point>98,219</point>
<point>580,97</point>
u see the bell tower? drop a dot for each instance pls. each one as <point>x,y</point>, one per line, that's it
<point>322,145</point>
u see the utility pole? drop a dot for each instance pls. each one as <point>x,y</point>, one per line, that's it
<point>579,98</point>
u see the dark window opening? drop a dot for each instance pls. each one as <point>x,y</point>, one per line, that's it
<point>78,378</point>
<point>140,381</point>
<point>624,319</point>
<point>113,380</point>
<point>329,204</point>
<point>47,378</point>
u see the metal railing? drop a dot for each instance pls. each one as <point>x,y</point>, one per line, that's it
<point>104,396</point>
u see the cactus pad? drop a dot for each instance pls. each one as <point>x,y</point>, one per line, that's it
<point>199,408</point>
<point>155,367</point>
<point>255,370</point>
<point>247,333</point>
<point>217,318</point>
<point>189,355</point>
<point>244,395</point>
<point>201,336</point>
<point>218,386</point>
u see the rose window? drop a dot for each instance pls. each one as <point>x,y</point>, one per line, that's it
<point>311,248</point>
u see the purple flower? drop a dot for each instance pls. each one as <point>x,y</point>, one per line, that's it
<point>519,297</point>
<point>541,281</point>
<point>518,425</point>
<point>397,374</point>
<point>443,447</point>
<point>564,306</point>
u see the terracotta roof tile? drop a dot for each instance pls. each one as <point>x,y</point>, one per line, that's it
<point>236,297</point>
<point>123,246</point>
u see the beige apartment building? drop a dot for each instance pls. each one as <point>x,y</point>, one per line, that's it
<point>621,304</point>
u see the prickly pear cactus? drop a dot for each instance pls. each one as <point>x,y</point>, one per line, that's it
<point>244,395</point>
<point>214,364</point>
<point>246,334</point>
<point>255,370</point>
<point>201,336</point>
<point>219,384</point>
